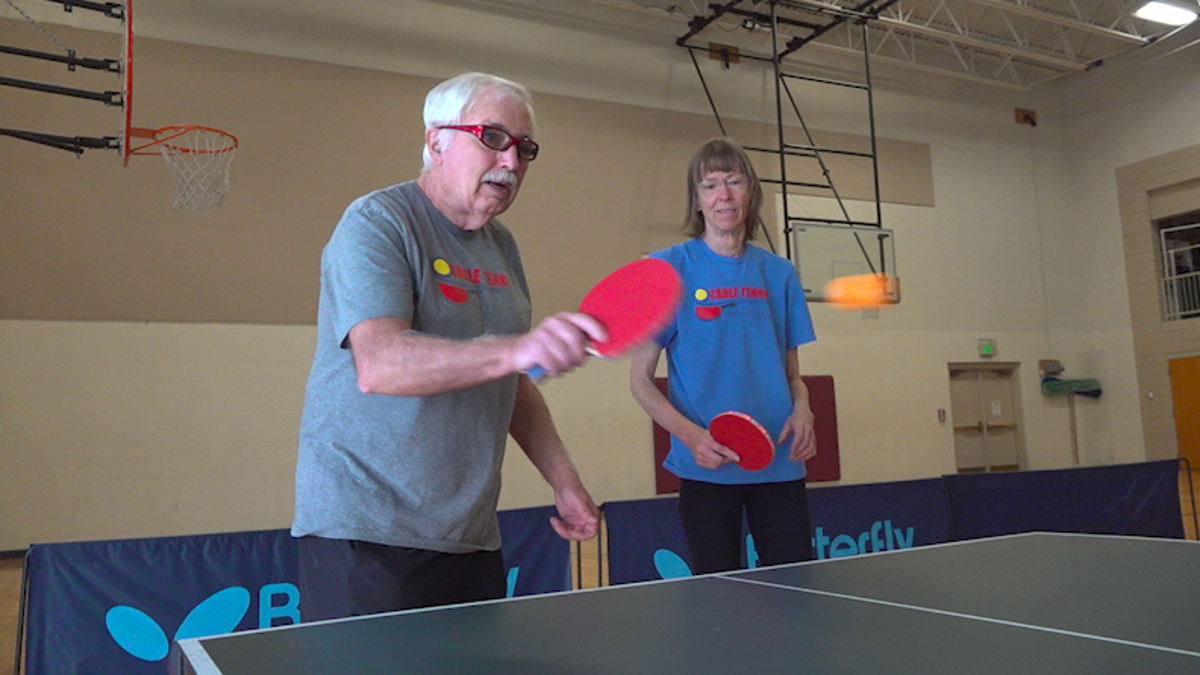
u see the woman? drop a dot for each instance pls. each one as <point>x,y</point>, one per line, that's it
<point>732,346</point>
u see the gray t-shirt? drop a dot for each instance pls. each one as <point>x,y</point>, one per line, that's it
<point>414,471</point>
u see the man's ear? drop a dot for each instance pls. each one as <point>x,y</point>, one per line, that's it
<point>432,137</point>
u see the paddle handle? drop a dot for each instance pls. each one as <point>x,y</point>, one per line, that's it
<point>538,373</point>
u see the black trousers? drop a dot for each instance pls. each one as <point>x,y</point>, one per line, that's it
<point>340,578</point>
<point>777,514</point>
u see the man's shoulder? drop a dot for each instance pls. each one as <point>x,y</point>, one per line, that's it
<point>401,207</point>
<point>405,194</point>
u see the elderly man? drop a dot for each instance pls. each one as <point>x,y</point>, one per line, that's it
<point>423,336</point>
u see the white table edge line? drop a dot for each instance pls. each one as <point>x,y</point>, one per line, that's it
<point>197,656</point>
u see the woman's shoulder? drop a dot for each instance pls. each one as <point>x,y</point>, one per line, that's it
<point>762,256</point>
<point>677,253</point>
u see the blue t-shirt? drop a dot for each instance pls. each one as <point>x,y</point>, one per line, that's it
<point>727,349</point>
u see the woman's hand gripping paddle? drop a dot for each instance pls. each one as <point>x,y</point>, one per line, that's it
<point>745,436</point>
<point>632,303</point>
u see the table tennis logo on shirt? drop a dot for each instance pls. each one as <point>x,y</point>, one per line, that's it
<point>724,298</point>
<point>142,637</point>
<point>475,277</point>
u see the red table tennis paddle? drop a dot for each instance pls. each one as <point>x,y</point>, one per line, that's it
<point>745,436</point>
<point>632,303</point>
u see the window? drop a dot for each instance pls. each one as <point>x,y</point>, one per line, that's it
<point>1180,238</point>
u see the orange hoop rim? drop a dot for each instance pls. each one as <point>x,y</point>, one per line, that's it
<point>162,137</point>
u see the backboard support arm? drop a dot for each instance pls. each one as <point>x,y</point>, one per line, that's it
<point>75,144</point>
<point>110,9</point>
<point>72,61</point>
<point>113,98</point>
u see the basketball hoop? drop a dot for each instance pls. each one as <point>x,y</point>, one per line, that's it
<point>199,157</point>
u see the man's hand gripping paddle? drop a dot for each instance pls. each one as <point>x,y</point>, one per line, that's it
<point>632,303</point>
<point>745,436</point>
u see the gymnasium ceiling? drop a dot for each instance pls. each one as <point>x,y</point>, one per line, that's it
<point>1015,44</point>
<point>1011,44</point>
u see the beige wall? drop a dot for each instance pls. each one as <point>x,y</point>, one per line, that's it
<point>154,359</point>
<point>1155,188</point>
<point>145,419</point>
<point>312,137</point>
<point>122,429</point>
<point>1126,128</point>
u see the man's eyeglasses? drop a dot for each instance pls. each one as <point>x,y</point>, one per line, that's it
<point>734,183</point>
<point>499,140</point>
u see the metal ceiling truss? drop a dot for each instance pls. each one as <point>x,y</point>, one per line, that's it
<point>1014,44</point>
<point>1011,44</point>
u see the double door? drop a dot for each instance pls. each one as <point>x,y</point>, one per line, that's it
<point>984,408</point>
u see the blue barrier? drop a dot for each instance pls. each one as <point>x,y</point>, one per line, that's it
<point>646,542</point>
<point>116,606</point>
<point>1126,499</point>
<point>643,536</point>
<point>852,519</point>
<point>537,559</point>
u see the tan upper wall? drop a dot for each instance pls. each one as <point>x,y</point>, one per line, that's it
<point>1155,188</point>
<point>89,239</point>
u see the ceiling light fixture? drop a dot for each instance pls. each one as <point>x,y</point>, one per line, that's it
<point>1169,13</point>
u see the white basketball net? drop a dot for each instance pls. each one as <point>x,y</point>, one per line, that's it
<point>199,158</point>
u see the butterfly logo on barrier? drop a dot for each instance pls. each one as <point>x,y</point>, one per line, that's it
<point>511,581</point>
<point>141,636</point>
<point>669,565</point>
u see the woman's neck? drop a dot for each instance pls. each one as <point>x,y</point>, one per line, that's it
<point>728,244</point>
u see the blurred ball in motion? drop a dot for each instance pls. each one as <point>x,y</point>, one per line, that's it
<point>861,291</point>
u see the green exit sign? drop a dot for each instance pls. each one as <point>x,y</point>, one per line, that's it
<point>987,348</point>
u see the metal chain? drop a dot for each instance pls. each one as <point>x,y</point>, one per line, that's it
<point>39,27</point>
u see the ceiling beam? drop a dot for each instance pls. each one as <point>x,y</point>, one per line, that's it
<point>986,45</point>
<point>935,70</point>
<point>1065,22</point>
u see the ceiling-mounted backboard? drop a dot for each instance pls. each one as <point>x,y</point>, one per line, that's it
<point>825,252</point>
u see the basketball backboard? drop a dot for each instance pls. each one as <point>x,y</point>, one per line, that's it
<point>824,252</point>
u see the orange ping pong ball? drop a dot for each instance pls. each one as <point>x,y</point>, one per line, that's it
<point>861,291</point>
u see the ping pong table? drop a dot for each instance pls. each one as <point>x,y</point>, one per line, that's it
<point>1024,604</point>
